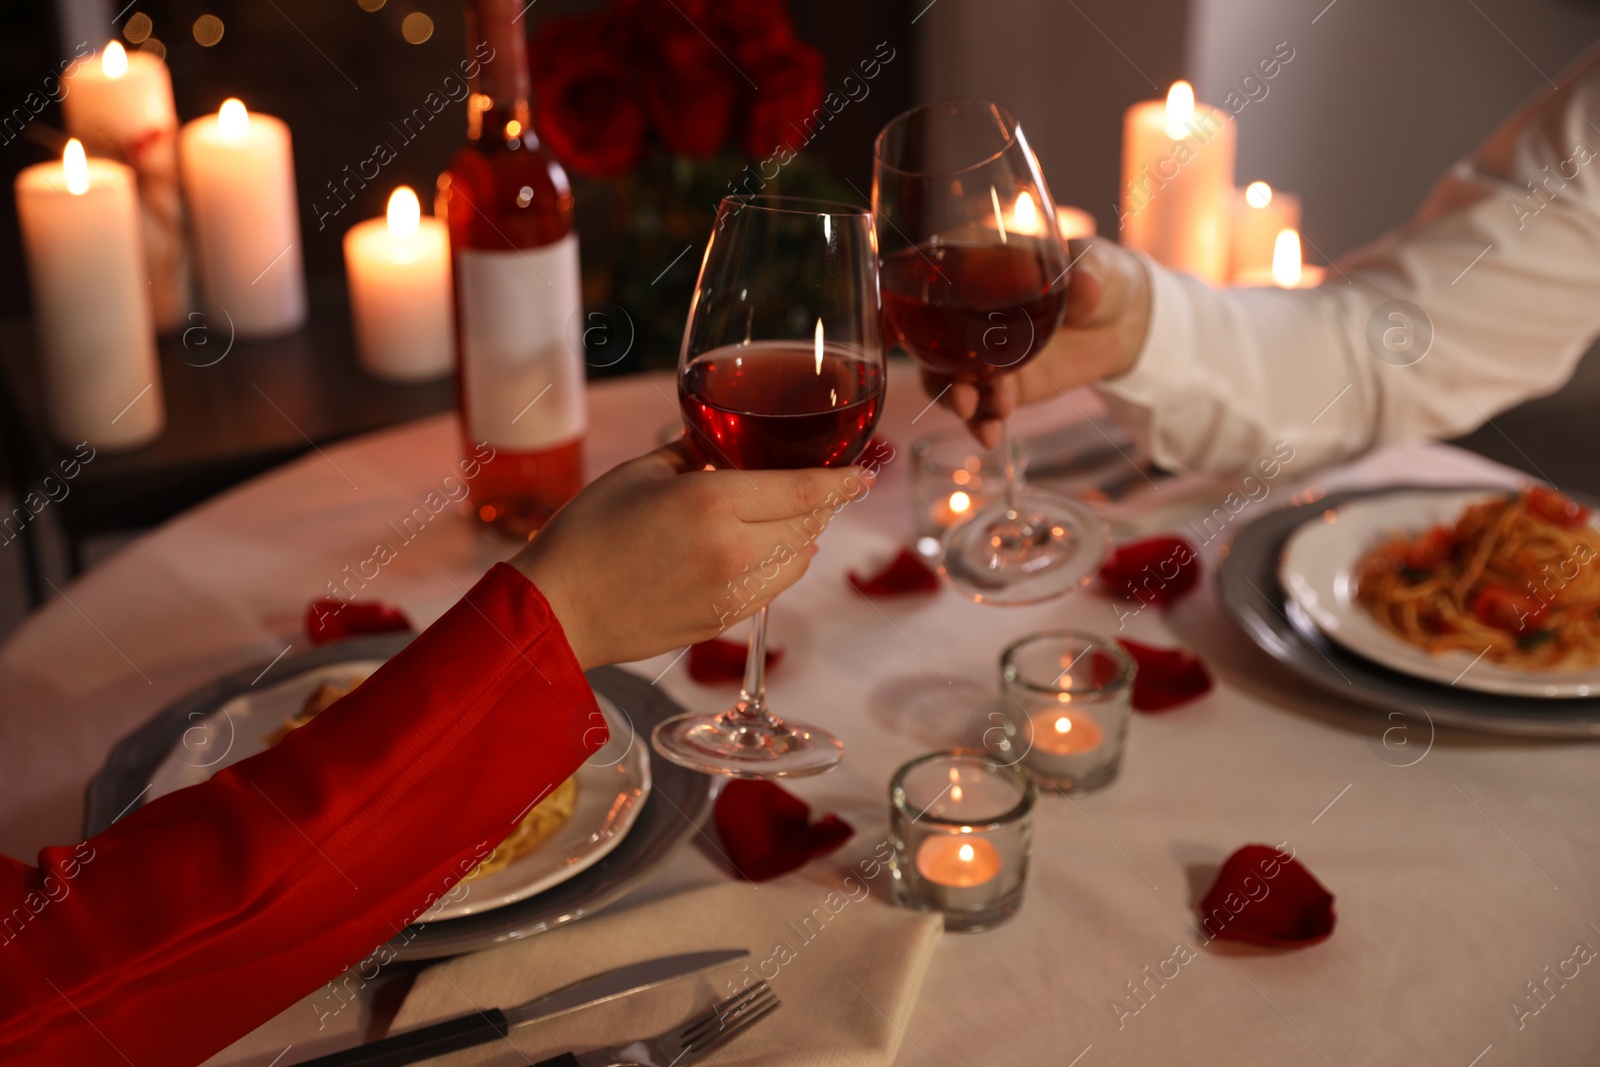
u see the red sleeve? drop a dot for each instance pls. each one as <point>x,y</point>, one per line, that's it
<point>208,911</point>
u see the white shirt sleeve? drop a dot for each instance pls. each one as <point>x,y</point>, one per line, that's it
<point>1495,284</point>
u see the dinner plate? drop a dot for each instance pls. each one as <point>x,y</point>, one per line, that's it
<point>611,785</point>
<point>1250,594</point>
<point>1320,564</point>
<point>677,803</point>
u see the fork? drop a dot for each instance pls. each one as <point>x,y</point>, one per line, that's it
<point>689,1043</point>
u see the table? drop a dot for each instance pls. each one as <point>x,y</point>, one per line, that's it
<point>234,410</point>
<point>1458,878</point>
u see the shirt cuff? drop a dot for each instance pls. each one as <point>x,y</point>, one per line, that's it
<point>1166,358</point>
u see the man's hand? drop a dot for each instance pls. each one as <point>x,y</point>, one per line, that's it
<point>658,553</point>
<point>1107,316</point>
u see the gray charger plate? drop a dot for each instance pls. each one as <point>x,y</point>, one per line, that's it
<point>1247,583</point>
<point>679,801</point>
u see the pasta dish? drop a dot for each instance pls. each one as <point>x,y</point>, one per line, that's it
<point>1514,580</point>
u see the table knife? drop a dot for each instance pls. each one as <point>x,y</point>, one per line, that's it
<point>483,1026</point>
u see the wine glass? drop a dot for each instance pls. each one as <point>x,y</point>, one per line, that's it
<point>781,368</point>
<point>974,278</point>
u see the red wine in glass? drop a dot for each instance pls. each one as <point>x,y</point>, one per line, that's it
<point>972,311</point>
<point>784,405</point>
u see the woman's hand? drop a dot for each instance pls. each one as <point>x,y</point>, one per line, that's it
<point>658,554</point>
<point>1107,316</point>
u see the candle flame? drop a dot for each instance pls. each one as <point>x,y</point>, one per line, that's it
<point>819,345</point>
<point>114,60</point>
<point>1063,725</point>
<point>960,502</point>
<point>232,119</point>
<point>76,166</point>
<point>1258,194</point>
<point>513,130</point>
<point>1286,264</point>
<point>1025,214</point>
<point>405,212</point>
<point>966,852</point>
<point>955,793</point>
<point>1180,109</point>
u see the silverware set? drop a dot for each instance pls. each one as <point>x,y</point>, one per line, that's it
<point>696,1039</point>
<point>689,1042</point>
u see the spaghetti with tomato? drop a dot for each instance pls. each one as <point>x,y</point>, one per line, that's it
<point>1514,580</point>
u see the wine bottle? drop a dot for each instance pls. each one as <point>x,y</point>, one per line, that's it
<point>519,372</point>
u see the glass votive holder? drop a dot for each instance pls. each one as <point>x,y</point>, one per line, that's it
<point>962,825</point>
<point>1069,697</point>
<point>952,479</point>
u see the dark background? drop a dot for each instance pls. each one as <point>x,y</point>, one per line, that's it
<point>338,75</point>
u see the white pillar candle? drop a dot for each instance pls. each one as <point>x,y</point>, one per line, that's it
<point>238,172</point>
<point>398,270</point>
<point>1259,213</point>
<point>1074,222</point>
<point>91,301</point>
<point>120,106</point>
<point>1288,269</point>
<point>1177,182</point>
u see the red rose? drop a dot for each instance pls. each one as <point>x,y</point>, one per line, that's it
<point>590,115</point>
<point>690,90</point>
<point>746,25</point>
<point>569,39</point>
<point>790,88</point>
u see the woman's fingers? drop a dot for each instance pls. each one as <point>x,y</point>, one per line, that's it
<point>762,496</point>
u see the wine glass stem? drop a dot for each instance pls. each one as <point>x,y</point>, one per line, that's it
<point>1008,459</point>
<point>755,667</point>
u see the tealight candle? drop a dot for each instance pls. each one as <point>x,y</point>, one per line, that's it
<point>957,867</point>
<point>91,300</point>
<point>1177,182</point>
<point>962,825</point>
<point>120,106</point>
<point>238,171</point>
<point>398,269</point>
<point>1061,733</point>
<point>951,480</point>
<point>1070,697</point>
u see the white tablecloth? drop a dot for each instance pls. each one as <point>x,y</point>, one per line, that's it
<point>1459,879</point>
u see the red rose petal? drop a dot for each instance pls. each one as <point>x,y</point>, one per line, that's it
<point>1267,897</point>
<point>906,573</point>
<point>1167,677</point>
<point>329,619</point>
<point>1155,571</point>
<point>721,660</point>
<point>767,830</point>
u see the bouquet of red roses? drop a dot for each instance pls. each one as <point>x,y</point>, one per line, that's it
<point>692,73</point>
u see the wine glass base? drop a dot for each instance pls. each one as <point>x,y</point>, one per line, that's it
<point>1051,546</point>
<point>735,745</point>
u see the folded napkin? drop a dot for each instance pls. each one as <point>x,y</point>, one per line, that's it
<point>847,966</point>
<point>1167,677</point>
<point>767,831</point>
<point>1266,897</point>
<point>906,573</point>
<point>721,660</point>
<point>330,619</point>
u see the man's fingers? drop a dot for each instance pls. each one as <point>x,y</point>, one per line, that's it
<point>761,496</point>
<point>1084,296</point>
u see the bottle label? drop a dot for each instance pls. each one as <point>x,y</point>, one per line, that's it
<point>522,375</point>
